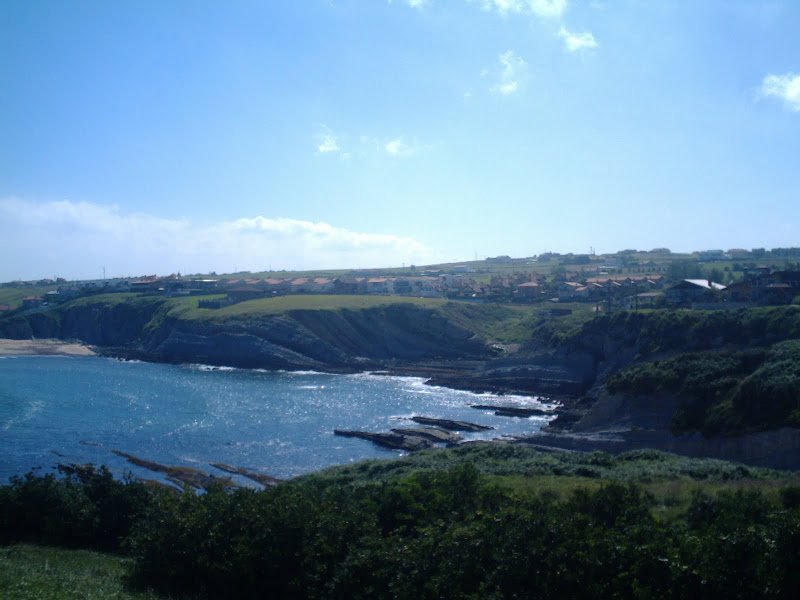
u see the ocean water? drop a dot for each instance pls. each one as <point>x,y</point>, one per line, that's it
<point>58,409</point>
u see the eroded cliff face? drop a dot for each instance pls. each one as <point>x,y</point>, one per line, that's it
<point>571,370</point>
<point>619,422</point>
<point>318,339</point>
<point>98,324</point>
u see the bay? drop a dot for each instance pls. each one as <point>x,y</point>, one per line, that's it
<point>62,409</point>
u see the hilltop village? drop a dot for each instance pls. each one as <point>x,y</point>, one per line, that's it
<point>627,280</point>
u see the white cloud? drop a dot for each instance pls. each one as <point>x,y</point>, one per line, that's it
<point>414,3</point>
<point>512,67</point>
<point>76,240</point>
<point>786,87</point>
<point>397,147</point>
<point>577,41</point>
<point>541,8</point>
<point>404,146</point>
<point>327,141</point>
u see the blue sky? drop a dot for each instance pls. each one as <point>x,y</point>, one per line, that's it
<point>154,137</point>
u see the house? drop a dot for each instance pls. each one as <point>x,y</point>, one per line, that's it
<point>276,286</point>
<point>322,285</point>
<point>776,287</point>
<point>198,284</point>
<point>402,286</point>
<point>687,291</point>
<point>380,285</point>
<point>350,285</point>
<point>243,293</point>
<point>529,290</point>
<point>643,300</point>
<point>32,302</point>
<point>566,289</point>
<point>300,285</point>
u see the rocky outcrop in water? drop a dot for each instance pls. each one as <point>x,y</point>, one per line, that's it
<point>180,475</point>
<point>434,434</point>
<point>394,440</point>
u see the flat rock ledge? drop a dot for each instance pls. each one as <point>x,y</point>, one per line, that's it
<point>179,475</point>
<point>434,434</point>
<point>451,425</point>
<point>393,440</point>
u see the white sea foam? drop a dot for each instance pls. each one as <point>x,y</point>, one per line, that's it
<point>28,413</point>
<point>202,367</point>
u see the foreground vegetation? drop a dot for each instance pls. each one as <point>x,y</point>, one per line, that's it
<point>487,521</point>
<point>46,573</point>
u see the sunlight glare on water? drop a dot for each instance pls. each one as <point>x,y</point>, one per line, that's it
<point>78,409</point>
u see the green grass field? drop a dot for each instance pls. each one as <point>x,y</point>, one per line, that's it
<point>43,573</point>
<point>13,295</point>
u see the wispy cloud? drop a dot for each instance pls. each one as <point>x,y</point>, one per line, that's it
<point>413,3</point>
<point>786,87</point>
<point>404,146</point>
<point>77,239</point>
<point>577,41</point>
<point>327,141</point>
<point>512,67</point>
<point>541,8</point>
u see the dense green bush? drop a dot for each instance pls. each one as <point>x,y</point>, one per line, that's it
<point>417,532</point>
<point>89,510</point>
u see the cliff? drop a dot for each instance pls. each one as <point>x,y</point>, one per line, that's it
<point>333,340</point>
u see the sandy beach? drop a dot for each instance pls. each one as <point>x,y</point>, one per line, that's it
<point>28,347</point>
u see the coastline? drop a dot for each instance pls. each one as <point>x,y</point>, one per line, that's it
<point>43,347</point>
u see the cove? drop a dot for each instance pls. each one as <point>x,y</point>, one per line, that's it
<point>59,409</point>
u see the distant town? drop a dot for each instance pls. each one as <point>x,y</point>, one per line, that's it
<point>629,279</point>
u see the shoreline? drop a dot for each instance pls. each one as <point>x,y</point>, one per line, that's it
<point>438,373</point>
<point>43,347</point>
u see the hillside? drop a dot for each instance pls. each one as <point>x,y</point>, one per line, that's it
<point>293,332</point>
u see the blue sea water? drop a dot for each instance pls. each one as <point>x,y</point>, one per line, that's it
<point>59,409</point>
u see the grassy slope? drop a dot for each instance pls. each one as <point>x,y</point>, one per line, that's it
<point>42,573</point>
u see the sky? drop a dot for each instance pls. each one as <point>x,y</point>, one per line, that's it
<point>149,137</point>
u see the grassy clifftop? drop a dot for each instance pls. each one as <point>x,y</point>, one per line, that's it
<point>507,324</point>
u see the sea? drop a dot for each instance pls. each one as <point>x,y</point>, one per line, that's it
<point>78,409</point>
